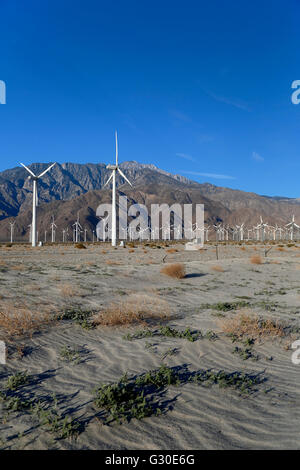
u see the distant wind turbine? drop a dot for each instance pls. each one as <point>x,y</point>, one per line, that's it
<point>114,169</point>
<point>53,226</point>
<point>291,226</point>
<point>11,231</point>
<point>35,199</point>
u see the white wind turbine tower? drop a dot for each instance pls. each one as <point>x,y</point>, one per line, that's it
<point>11,231</point>
<point>291,227</point>
<point>240,229</point>
<point>35,199</point>
<point>53,226</point>
<point>261,228</point>
<point>114,169</point>
<point>77,229</point>
<point>65,233</point>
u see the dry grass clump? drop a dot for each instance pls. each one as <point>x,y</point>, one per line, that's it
<point>217,268</point>
<point>80,246</point>
<point>136,308</point>
<point>67,290</point>
<point>176,270</point>
<point>256,259</point>
<point>172,250</point>
<point>280,248</point>
<point>17,267</point>
<point>131,250</point>
<point>16,322</point>
<point>112,263</point>
<point>246,324</point>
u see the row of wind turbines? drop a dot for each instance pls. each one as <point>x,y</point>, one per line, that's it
<point>260,232</point>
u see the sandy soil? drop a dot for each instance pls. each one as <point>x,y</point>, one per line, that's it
<point>194,416</point>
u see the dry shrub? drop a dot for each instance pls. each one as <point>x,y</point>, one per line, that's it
<point>256,259</point>
<point>80,246</point>
<point>176,270</point>
<point>251,325</point>
<point>17,267</point>
<point>111,263</point>
<point>172,250</point>
<point>103,252</point>
<point>136,308</point>
<point>243,248</point>
<point>217,268</point>
<point>280,248</point>
<point>67,290</point>
<point>16,322</point>
<point>131,250</point>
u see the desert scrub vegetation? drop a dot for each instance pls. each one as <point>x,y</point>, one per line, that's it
<point>17,380</point>
<point>78,316</point>
<point>135,308</point>
<point>167,331</point>
<point>143,395</point>
<point>172,250</point>
<point>226,306</point>
<point>256,259</point>
<point>19,322</point>
<point>80,246</point>
<point>251,325</point>
<point>67,290</point>
<point>175,270</point>
<point>217,268</point>
<point>245,353</point>
<point>43,411</point>
<point>69,354</point>
<point>174,333</point>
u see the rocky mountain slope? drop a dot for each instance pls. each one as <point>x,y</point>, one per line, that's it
<point>70,188</point>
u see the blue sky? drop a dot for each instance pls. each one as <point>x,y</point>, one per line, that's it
<point>197,88</point>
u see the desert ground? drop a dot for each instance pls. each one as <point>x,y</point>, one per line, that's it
<point>207,354</point>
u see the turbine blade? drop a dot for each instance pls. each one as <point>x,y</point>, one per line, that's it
<point>123,176</point>
<point>26,168</point>
<point>44,172</point>
<point>108,180</point>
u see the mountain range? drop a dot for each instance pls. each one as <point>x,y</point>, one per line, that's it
<point>70,188</point>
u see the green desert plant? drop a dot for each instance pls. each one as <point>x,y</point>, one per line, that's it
<point>70,355</point>
<point>17,380</point>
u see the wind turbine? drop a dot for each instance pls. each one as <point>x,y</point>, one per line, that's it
<point>114,169</point>
<point>53,226</point>
<point>240,230</point>
<point>11,231</point>
<point>35,199</point>
<point>291,226</point>
<point>77,229</point>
